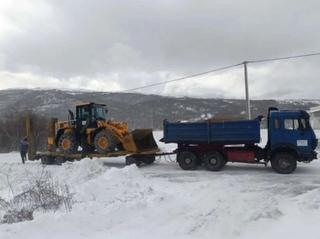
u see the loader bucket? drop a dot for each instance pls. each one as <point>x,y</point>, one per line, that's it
<point>140,140</point>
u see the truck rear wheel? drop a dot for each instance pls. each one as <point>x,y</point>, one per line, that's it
<point>214,161</point>
<point>187,160</point>
<point>284,163</point>
<point>104,142</point>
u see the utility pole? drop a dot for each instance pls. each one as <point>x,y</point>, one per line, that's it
<point>247,89</point>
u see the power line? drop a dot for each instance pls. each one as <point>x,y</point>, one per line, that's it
<point>220,69</point>
<point>184,77</point>
<point>284,58</point>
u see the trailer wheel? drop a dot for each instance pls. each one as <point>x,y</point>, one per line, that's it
<point>187,160</point>
<point>130,160</point>
<point>67,143</point>
<point>148,159</point>
<point>214,161</point>
<point>60,160</point>
<point>284,163</point>
<point>87,148</point>
<point>46,160</point>
<point>104,142</point>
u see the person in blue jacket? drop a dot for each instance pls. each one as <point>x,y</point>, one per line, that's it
<point>24,144</point>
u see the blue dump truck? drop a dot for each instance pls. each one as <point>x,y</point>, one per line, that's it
<point>213,144</point>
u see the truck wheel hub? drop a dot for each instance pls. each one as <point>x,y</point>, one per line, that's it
<point>213,161</point>
<point>188,160</point>
<point>283,163</point>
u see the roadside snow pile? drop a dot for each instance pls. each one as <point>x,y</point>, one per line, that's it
<point>112,200</point>
<point>79,171</point>
<point>116,187</point>
<point>33,187</point>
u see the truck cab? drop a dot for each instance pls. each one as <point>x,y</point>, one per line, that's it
<point>290,132</point>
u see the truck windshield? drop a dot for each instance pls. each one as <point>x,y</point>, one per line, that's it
<point>297,124</point>
<point>304,123</point>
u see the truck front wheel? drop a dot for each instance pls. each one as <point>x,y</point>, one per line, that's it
<point>187,160</point>
<point>284,163</point>
<point>214,161</point>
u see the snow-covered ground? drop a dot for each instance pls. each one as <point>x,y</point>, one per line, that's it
<point>163,201</point>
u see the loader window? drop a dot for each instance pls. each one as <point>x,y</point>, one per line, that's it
<point>100,113</point>
<point>84,113</point>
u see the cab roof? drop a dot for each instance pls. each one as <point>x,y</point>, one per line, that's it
<point>89,103</point>
<point>289,113</point>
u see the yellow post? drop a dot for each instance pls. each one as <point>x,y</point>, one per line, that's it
<point>32,147</point>
<point>52,135</point>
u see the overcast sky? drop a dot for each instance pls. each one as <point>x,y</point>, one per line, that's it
<point>121,44</point>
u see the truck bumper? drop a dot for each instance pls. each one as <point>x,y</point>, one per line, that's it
<point>310,157</point>
<point>314,155</point>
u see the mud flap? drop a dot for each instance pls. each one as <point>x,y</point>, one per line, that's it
<point>140,140</point>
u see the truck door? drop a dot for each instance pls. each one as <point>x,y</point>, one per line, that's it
<point>275,135</point>
<point>297,134</point>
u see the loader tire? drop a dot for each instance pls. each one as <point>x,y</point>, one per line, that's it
<point>104,142</point>
<point>67,143</point>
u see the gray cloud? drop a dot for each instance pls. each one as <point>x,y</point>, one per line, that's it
<point>114,45</point>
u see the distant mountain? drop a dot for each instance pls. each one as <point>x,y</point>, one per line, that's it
<point>138,110</point>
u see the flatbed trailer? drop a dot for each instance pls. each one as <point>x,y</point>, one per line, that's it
<point>146,157</point>
<point>145,153</point>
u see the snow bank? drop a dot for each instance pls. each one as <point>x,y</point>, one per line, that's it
<point>163,201</point>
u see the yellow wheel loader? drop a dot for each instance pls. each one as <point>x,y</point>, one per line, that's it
<point>93,132</point>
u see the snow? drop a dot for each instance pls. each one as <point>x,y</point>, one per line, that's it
<point>162,201</point>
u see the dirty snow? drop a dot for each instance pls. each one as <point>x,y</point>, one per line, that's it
<point>163,201</point>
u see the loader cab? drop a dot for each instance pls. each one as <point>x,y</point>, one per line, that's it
<point>88,114</point>
<point>291,130</point>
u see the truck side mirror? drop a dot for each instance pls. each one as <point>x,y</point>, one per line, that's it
<point>260,118</point>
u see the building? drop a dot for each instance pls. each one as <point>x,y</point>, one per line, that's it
<point>315,117</point>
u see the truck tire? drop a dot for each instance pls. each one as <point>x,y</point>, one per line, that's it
<point>187,160</point>
<point>104,142</point>
<point>67,143</point>
<point>284,163</point>
<point>214,161</point>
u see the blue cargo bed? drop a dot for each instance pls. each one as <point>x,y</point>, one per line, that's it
<point>229,132</point>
